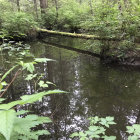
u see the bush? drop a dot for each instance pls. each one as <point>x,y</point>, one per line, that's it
<point>18,23</point>
<point>70,14</point>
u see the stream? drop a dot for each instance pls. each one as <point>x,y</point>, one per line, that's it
<point>95,89</point>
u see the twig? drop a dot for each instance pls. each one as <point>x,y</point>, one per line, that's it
<point>16,74</point>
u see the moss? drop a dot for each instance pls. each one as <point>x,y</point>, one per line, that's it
<point>84,36</point>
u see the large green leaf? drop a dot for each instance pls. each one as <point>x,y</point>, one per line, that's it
<point>35,97</point>
<point>4,76</point>
<point>42,59</point>
<point>29,99</point>
<point>6,122</point>
<point>1,100</point>
<point>10,105</point>
<point>29,67</point>
<point>30,121</point>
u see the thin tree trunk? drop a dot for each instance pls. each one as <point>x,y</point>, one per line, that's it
<point>91,8</point>
<point>35,8</point>
<point>18,5</point>
<point>43,6</point>
<point>56,7</point>
<point>80,1</point>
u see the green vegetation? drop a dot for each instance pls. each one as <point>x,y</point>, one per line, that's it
<point>19,124</point>
<point>114,25</point>
<point>104,19</point>
<point>98,127</point>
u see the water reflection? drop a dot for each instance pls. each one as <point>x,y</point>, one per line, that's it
<point>94,89</point>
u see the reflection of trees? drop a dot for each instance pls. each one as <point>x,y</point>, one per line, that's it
<point>111,92</point>
<point>59,103</point>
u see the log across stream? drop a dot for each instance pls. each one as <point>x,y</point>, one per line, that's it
<point>75,35</point>
<point>127,60</point>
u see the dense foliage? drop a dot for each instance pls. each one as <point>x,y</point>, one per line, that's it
<point>119,20</point>
<point>106,18</point>
<point>19,123</point>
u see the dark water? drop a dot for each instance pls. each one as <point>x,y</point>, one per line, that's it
<point>94,89</point>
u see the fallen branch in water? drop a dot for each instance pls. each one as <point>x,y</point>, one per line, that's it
<point>15,76</point>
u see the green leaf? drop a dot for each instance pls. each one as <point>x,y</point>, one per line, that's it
<point>137,129</point>
<point>6,121</point>
<point>110,118</point>
<point>21,112</point>
<point>133,138</point>
<point>42,60</point>
<point>4,76</point>
<point>10,105</point>
<point>1,86</point>
<point>94,120</point>
<point>1,100</point>
<point>30,121</point>
<point>130,129</point>
<point>35,97</point>
<point>41,132</point>
<point>94,136</point>
<point>47,82</point>
<point>93,128</point>
<point>109,137</point>
<point>82,134</point>
<point>30,77</point>
<point>29,99</point>
<point>4,83</point>
<point>42,84</point>
<point>74,135</point>
<point>83,138</point>
<point>29,66</point>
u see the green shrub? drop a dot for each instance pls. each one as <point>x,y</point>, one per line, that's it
<point>21,124</point>
<point>49,20</point>
<point>98,128</point>
<point>18,23</point>
<point>71,14</point>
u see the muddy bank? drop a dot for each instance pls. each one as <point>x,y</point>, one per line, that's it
<point>133,61</point>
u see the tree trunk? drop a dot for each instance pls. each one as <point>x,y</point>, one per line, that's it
<point>56,7</point>
<point>35,8</point>
<point>91,8</point>
<point>18,5</point>
<point>43,6</point>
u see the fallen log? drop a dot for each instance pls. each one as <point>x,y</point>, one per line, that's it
<point>75,35</point>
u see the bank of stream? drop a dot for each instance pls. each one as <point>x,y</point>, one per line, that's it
<point>95,89</point>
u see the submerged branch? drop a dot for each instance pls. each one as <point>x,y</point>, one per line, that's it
<point>15,76</point>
